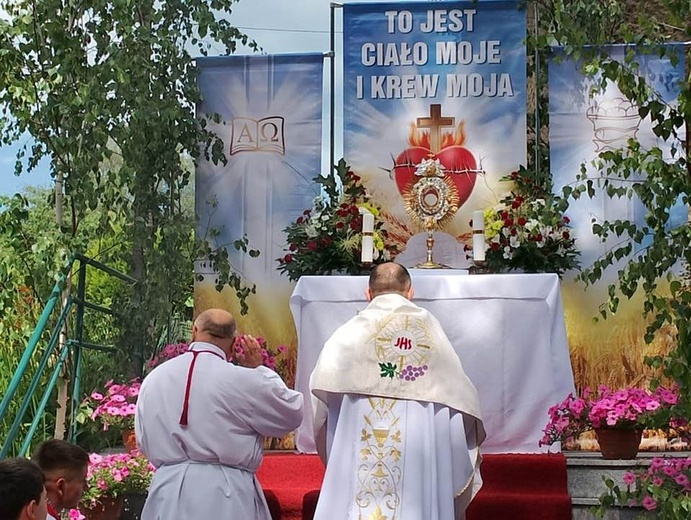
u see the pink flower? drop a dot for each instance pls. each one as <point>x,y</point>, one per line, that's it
<point>681,479</point>
<point>649,503</point>
<point>629,478</point>
<point>75,514</point>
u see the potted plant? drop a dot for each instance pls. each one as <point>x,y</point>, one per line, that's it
<point>111,478</point>
<point>664,488</point>
<point>622,413</point>
<point>113,406</point>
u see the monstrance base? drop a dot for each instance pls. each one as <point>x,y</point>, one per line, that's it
<point>431,265</point>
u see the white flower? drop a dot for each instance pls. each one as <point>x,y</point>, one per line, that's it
<point>311,231</point>
<point>319,202</point>
<point>514,241</point>
<point>508,253</point>
<point>532,224</point>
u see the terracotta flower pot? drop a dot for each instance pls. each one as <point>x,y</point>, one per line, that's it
<point>129,440</point>
<point>618,443</point>
<point>109,508</point>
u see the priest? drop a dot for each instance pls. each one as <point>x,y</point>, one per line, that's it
<point>202,421</point>
<point>397,420</point>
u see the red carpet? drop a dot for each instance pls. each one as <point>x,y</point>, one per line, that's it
<point>516,487</point>
<point>290,476</point>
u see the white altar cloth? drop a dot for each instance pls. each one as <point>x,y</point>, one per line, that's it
<point>507,329</point>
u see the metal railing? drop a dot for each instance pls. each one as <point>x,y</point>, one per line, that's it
<point>53,356</point>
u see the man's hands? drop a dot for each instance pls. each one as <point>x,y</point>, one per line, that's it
<point>249,354</point>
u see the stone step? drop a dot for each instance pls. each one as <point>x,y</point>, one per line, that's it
<point>584,475</point>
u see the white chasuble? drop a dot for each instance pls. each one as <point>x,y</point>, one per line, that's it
<point>397,417</point>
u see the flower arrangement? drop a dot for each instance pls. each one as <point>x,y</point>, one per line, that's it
<point>664,487</point>
<point>113,406</point>
<point>629,408</point>
<point>275,360</point>
<point>328,237</point>
<point>527,231</point>
<point>168,352</point>
<point>116,474</point>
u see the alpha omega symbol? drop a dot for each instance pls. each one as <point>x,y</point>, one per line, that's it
<point>258,135</point>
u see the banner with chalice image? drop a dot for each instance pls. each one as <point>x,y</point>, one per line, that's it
<point>585,121</point>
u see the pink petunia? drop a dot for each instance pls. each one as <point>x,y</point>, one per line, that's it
<point>649,503</point>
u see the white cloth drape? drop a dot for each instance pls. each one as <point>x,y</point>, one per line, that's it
<point>508,329</point>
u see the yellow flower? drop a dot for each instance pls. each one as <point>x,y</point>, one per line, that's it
<point>493,223</point>
<point>378,241</point>
<point>369,207</point>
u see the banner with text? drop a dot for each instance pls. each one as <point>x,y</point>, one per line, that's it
<point>446,80</point>
<point>270,121</point>
<point>584,122</point>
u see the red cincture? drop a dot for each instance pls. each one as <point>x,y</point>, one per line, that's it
<point>186,404</point>
<point>52,512</point>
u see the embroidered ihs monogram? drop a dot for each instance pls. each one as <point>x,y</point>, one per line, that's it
<point>403,345</point>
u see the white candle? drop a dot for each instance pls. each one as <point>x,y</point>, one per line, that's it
<point>478,236</point>
<point>367,253</point>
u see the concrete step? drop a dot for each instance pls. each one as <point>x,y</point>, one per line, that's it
<point>585,473</point>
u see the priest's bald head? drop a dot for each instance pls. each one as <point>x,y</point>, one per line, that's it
<point>389,278</point>
<point>217,327</point>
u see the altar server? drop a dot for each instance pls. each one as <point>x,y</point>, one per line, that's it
<point>202,420</point>
<point>65,466</point>
<point>396,418</point>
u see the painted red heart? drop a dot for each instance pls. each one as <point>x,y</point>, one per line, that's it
<point>458,162</point>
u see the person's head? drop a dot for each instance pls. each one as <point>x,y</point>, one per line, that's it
<point>388,278</point>
<point>22,494</point>
<point>65,466</point>
<point>217,327</point>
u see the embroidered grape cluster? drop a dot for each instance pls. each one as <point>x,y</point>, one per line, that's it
<point>411,373</point>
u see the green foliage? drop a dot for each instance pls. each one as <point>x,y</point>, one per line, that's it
<point>650,252</point>
<point>218,257</point>
<point>107,92</point>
